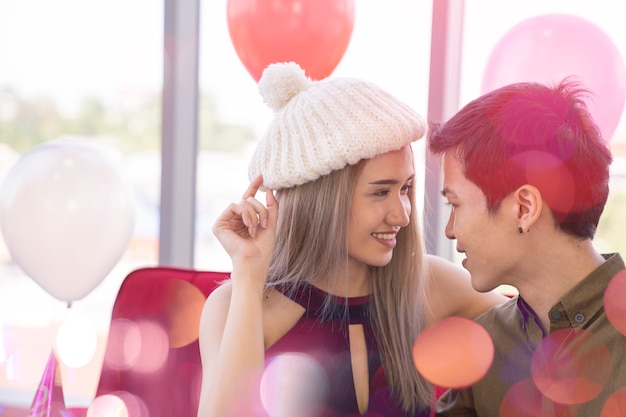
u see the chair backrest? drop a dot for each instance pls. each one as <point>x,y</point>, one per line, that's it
<point>152,358</point>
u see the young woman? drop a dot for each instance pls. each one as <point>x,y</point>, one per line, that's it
<point>330,284</point>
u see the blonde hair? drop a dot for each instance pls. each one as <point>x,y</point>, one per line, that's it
<point>310,218</point>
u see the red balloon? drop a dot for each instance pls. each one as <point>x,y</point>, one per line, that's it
<point>313,34</point>
<point>550,47</point>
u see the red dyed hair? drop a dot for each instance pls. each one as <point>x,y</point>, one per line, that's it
<point>529,133</point>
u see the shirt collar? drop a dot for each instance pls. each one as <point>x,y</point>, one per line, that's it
<point>587,298</point>
<point>582,302</point>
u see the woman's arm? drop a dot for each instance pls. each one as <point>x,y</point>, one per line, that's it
<point>231,348</point>
<point>450,293</point>
<point>231,327</point>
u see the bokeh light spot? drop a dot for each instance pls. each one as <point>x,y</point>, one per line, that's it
<point>570,367</point>
<point>107,406</point>
<point>552,177</point>
<point>293,384</point>
<point>141,345</point>
<point>124,345</point>
<point>154,347</point>
<point>135,406</point>
<point>453,353</point>
<point>614,304</point>
<point>183,313</point>
<point>615,405</point>
<point>76,341</point>
<point>523,399</point>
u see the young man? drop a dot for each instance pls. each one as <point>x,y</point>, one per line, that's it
<point>526,173</point>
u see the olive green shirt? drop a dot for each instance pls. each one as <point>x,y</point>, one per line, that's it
<point>579,329</point>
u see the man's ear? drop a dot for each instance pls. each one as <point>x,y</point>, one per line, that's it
<point>529,204</point>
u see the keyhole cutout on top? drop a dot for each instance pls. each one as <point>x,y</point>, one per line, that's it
<point>360,371</point>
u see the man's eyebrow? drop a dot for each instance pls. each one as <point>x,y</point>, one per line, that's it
<point>446,192</point>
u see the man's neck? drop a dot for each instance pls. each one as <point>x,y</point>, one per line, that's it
<point>555,271</point>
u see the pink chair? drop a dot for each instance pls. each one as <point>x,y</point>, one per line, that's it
<point>152,358</point>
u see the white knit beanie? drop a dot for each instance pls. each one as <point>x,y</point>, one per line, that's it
<point>322,126</point>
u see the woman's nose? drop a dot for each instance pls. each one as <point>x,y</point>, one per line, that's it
<point>399,214</point>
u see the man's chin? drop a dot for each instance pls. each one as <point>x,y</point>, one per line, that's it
<point>482,286</point>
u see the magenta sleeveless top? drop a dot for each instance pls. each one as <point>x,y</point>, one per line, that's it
<point>324,337</point>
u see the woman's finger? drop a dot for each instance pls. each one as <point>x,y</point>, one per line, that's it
<point>253,188</point>
<point>272,208</point>
<point>255,213</point>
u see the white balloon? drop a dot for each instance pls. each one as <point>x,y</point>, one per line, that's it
<point>66,217</point>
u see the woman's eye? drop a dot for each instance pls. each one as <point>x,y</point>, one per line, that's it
<point>381,193</point>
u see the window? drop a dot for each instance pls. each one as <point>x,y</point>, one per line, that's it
<point>89,71</point>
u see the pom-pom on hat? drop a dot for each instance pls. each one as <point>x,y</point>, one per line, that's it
<point>323,126</point>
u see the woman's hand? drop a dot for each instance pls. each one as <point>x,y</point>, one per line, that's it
<point>247,229</point>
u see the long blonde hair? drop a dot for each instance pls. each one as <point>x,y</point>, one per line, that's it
<point>311,242</point>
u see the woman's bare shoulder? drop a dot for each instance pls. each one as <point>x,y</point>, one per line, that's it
<point>219,298</point>
<point>215,309</point>
<point>280,315</point>
<point>279,312</point>
<point>443,274</point>
<point>450,292</point>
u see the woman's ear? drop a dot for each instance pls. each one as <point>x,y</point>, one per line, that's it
<point>529,204</point>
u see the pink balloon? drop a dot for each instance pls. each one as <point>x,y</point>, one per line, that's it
<point>551,47</point>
